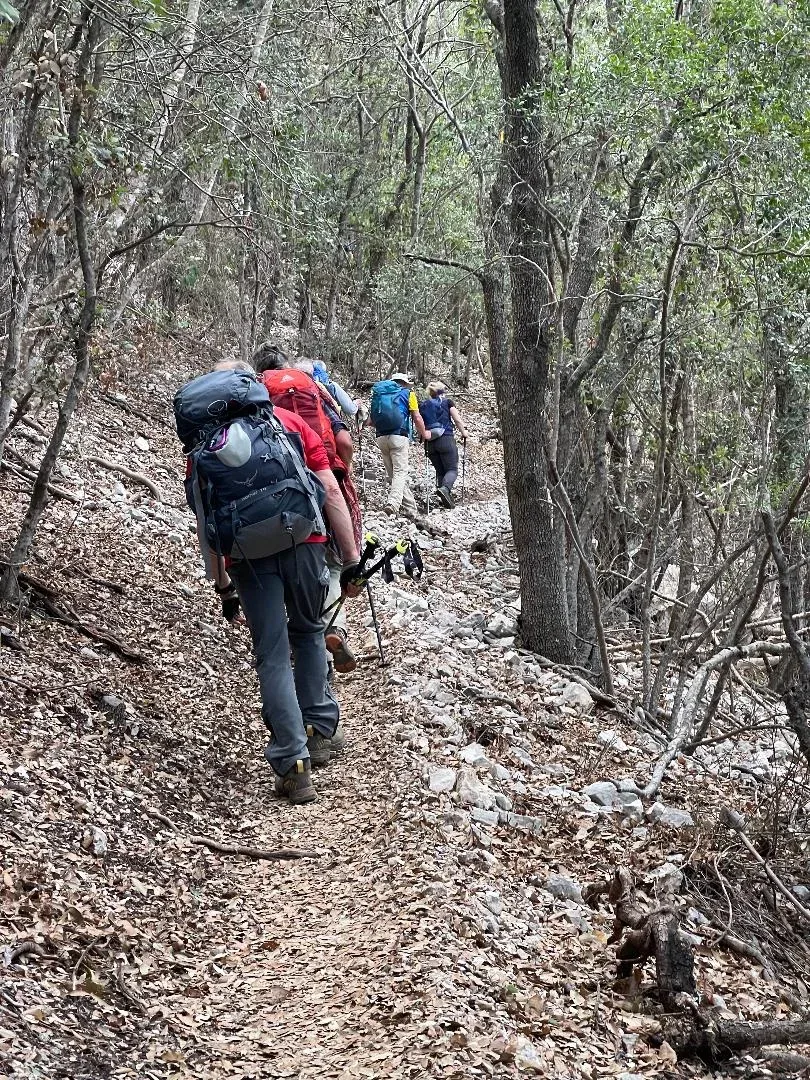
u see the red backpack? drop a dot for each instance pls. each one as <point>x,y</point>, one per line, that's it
<point>296,391</point>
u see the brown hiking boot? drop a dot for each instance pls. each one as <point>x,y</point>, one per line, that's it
<point>296,785</point>
<point>342,656</point>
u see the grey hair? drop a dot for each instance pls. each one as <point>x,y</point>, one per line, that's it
<point>233,365</point>
<point>305,365</point>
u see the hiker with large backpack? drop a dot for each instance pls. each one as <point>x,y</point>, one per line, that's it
<point>294,388</point>
<point>442,418</point>
<point>393,406</point>
<point>260,485</point>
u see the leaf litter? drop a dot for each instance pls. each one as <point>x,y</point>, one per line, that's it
<point>420,942</point>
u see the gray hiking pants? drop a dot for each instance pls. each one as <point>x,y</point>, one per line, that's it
<point>282,598</point>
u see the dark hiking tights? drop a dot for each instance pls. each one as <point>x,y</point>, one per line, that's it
<point>443,454</point>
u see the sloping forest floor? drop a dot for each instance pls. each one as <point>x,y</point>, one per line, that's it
<point>440,928</point>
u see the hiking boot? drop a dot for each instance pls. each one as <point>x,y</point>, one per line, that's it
<point>445,497</point>
<point>319,746</point>
<point>296,785</point>
<point>338,740</point>
<point>342,656</point>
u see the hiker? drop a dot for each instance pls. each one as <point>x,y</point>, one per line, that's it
<point>441,417</point>
<point>393,405</point>
<point>333,408</point>
<point>259,483</point>
<point>295,389</point>
<point>348,406</point>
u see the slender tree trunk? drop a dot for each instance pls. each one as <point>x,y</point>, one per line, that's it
<point>21,551</point>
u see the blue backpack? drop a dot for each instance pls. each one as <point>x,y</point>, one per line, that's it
<point>247,483</point>
<point>389,408</point>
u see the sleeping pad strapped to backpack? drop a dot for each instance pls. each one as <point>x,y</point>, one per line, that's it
<point>247,483</point>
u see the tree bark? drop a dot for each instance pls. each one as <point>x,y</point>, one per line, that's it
<point>523,385</point>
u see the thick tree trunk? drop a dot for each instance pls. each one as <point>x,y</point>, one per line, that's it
<point>524,385</point>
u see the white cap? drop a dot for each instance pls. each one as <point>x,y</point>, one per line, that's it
<point>400,376</point>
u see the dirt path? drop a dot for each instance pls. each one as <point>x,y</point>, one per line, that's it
<point>440,932</point>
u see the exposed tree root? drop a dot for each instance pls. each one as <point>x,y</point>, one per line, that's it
<point>270,855</point>
<point>136,477</point>
<point>689,1030</point>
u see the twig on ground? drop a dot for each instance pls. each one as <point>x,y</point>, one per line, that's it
<point>475,694</point>
<point>734,821</point>
<point>275,854</point>
<point>29,948</point>
<point>253,853</point>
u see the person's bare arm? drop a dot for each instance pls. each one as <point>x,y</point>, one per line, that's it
<point>340,521</point>
<point>419,424</point>
<point>221,576</point>
<point>455,416</point>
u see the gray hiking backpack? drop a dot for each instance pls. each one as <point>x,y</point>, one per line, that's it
<point>247,482</point>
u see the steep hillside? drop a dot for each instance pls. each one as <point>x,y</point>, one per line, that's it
<point>435,923</point>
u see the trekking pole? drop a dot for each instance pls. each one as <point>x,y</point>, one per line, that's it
<point>427,486</point>
<point>372,542</point>
<point>374,620</point>
<point>361,457</point>
<point>463,466</point>
<point>383,563</point>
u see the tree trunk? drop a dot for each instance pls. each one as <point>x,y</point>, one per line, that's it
<point>523,386</point>
<point>22,548</point>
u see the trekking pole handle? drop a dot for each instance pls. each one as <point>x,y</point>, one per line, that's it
<point>399,548</point>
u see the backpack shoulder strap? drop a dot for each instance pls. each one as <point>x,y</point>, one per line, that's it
<point>300,468</point>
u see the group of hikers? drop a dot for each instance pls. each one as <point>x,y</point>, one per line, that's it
<point>269,478</point>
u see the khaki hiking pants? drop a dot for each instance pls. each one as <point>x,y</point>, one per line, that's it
<point>394,449</point>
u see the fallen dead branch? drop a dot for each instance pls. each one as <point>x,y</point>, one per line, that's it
<point>253,853</point>
<point>29,475</point>
<point>47,595</point>
<point>690,1031</point>
<point>270,855</point>
<point>682,720</point>
<point>136,477</point>
<point>28,948</point>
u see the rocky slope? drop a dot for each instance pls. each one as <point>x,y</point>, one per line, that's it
<point>436,926</point>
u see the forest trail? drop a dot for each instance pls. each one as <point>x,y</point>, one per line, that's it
<point>441,931</point>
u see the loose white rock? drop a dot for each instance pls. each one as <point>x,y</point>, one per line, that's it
<point>612,740</point>
<point>473,792</point>
<point>95,840</point>
<point>441,780</point>
<point>474,754</point>
<point>527,1057</point>
<point>676,819</point>
<point>603,792</point>
<point>576,697</point>
<point>563,888</point>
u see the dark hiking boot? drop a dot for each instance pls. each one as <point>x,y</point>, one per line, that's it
<point>296,785</point>
<point>342,656</point>
<point>338,740</point>
<point>319,746</point>
<point>445,497</point>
